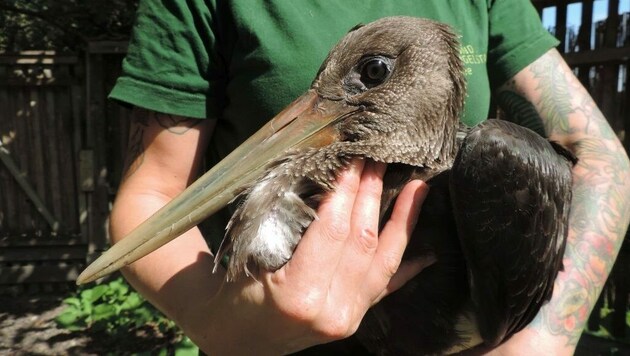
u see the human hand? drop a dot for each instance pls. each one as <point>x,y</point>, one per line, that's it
<point>340,268</point>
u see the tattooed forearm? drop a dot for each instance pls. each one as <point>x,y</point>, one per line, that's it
<point>555,96</point>
<point>601,184</point>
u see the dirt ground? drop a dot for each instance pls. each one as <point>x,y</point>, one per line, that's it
<point>27,327</point>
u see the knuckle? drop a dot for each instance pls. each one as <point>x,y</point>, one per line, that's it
<point>302,304</point>
<point>302,312</point>
<point>367,240</point>
<point>336,230</point>
<point>335,328</point>
<point>391,262</point>
<point>353,329</point>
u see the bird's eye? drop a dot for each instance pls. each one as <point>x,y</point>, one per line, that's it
<point>374,71</point>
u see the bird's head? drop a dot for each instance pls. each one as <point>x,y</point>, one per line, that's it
<point>406,77</point>
<point>391,90</point>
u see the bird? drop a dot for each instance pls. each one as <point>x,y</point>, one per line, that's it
<point>495,221</point>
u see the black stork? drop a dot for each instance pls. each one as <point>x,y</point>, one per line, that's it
<point>392,91</point>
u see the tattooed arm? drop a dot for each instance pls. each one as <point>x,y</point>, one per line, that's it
<point>600,209</point>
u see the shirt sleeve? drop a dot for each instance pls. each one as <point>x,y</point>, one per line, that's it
<point>173,64</point>
<point>516,39</point>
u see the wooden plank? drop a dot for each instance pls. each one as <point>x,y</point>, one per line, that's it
<point>43,253</point>
<point>37,59</point>
<point>107,47</point>
<point>612,24</point>
<point>98,200</point>
<point>53,139</point>
<point>561,26</point>
<point>13,216</point>
<point>586,26</point>
<point>598,56</point>
<point>20,154</point>
<point>40,274</point>
<point>546,3</point>
<point>36,52</point>
<point>30,82</point>
<point>584,40</point>
<point>4,203</point>
<point>36,152</point>
<point>66,147</point>
<point>40,206</point>
<point>624,36</point>
<point>21,241</point>
<point>86,170</point>
<point>67,157</point>
<point>78,113</point>
<point>609,71</point>
<point>7,188</point>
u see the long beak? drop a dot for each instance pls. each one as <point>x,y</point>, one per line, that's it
<point>307,122</point>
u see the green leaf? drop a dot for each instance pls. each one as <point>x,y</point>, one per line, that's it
<point>132,301</point>
<point>86,295</point>
<point>104,311</point>
<point>73,301</point>
<point>68,318</point>
<point>114,309</point>
<point>142,316</point>
<point>86,306</point>
<point>98,292</point>
<point>119,287</point>
<point>186,348</point>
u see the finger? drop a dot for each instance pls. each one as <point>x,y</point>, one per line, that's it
<point>361,245</point>
<point>406,272</point>
<point>393,240</point>
<point>319,251</point>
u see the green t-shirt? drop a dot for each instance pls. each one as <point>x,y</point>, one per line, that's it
<point>242,61</point>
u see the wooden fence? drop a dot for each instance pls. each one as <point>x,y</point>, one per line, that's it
<point>59,136</point>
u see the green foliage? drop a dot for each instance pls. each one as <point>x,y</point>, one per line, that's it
<point>63,25</point>
<point>117,312</point>
<point>606,314</point>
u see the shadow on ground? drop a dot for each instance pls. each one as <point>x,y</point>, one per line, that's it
<point>27,327</point>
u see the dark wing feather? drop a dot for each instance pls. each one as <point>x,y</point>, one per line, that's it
<point>511,194</point>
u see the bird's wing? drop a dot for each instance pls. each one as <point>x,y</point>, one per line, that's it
<point>511,193</point>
